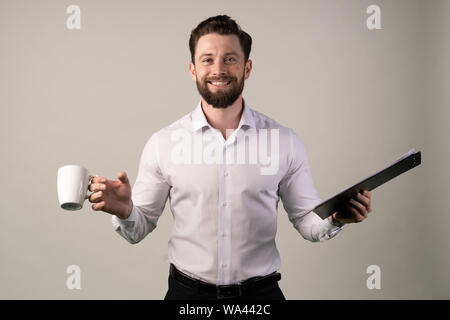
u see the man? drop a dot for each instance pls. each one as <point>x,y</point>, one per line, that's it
<point>225,210</point>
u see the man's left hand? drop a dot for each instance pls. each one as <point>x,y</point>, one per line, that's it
<point>356,209</point>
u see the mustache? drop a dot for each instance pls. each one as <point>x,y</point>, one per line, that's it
<point>221,79</point>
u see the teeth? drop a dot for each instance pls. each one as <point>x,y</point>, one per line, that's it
<point>216,83</point>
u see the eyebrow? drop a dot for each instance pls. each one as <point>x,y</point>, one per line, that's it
<point>210,54</point>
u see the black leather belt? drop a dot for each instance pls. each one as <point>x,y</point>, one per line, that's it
<point>225,291</point>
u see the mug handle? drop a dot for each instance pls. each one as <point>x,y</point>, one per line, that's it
<point>90,180</point>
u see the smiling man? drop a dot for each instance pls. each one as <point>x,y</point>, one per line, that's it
<point>213,45</point>
<point>219,67</point>
<point>225,212</point>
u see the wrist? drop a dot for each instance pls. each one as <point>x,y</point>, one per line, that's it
<point>127,213</point>
<point>336,222</point>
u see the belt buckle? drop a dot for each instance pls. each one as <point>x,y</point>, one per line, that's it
<point>229,291</point>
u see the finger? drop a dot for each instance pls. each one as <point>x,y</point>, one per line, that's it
<point>364,194</point>
<point>97,179</point>
<point>368,195</point>
<point>359,207</point>
<point>96,197</point>
<point>123,177</point>
<point>356,215</point>
<point>97,186</point>
<point>98,206</point>
<point>363,200</point>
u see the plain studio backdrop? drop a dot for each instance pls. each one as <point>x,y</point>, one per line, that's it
<point>357,98</point>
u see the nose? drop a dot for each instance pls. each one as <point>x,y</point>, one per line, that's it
<point>219,68</point>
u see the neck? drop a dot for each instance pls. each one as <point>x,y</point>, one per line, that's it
<point>224,118</point>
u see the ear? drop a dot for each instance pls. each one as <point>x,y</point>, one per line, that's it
<point>248,68</point>
<point>192,71</point>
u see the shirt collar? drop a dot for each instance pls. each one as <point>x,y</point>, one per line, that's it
<point>199,118</point>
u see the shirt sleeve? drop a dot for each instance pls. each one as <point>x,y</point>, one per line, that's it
<point>149,196</point>
<point>299,196</point>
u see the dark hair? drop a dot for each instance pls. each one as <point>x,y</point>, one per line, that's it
<point>224,25</point>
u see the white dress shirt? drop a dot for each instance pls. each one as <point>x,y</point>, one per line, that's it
<point>223,194</point>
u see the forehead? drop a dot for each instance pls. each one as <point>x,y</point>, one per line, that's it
<point>215,43</point>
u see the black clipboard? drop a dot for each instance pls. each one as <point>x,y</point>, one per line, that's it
<point>328,207</point>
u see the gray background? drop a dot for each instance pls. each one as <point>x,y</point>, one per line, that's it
<point>358,99</point>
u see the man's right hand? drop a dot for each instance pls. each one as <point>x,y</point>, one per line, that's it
<point>112,196</point>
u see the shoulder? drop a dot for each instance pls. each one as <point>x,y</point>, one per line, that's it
<point>262,121</point>
<point>288,138</point>
<point>181,125</point>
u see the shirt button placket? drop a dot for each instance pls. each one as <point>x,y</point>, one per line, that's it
<point>224,222</point>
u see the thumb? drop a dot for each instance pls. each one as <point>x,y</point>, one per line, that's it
<point>123,177</point>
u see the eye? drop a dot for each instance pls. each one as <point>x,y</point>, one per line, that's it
<point>231,59</point>
<point>207,60</point>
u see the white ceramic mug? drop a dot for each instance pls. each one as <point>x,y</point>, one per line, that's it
<point>72,184</point>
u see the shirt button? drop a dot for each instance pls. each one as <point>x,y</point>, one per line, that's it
<point>226,174</point>
<point>224,204</point>
<point>224,265</point>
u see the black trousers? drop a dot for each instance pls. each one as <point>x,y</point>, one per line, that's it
<point>180,291</point>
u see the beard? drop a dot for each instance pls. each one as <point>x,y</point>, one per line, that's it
<point>222,98</point>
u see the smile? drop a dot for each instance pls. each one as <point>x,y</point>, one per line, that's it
<point>220,84</point>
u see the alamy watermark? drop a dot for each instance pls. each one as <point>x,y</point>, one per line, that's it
<point>373,22</point>
<point>73,22</point>
<point>374,280</point>
<point>262,149</point>
<point>74,279</point>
